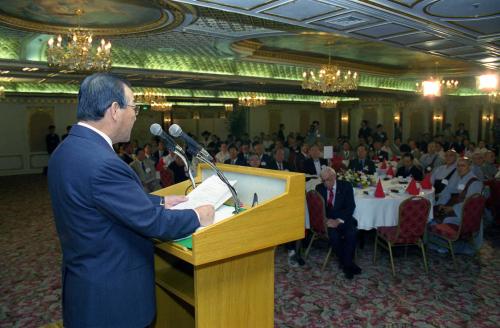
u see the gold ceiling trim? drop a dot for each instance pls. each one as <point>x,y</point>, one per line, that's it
<point>162,23</point>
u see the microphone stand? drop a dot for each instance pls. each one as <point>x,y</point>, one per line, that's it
<point>179,152</point>
<point>221,176</point>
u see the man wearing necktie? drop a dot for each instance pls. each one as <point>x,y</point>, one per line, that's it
<point>314,164</point>
<point>342,226</point>
<point>362,163</point>
<point>279,163</point>
<point>145,170</point>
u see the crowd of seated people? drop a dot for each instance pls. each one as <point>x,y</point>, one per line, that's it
<point>441,156</point>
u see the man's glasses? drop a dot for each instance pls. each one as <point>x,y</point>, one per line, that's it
<point>135,108</point>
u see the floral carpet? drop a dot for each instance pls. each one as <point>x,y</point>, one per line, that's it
<point>30,286</point>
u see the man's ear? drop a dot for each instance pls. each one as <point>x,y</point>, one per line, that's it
<point>113,111</point>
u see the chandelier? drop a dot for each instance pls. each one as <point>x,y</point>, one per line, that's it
<point>436,87</point>
<point>77,52</point>
<point>330,78</point>
<point>328,103</point>
<point>494,97</point>
<point>2,92</point>
<point>252,101</point>
<point>156,100</point>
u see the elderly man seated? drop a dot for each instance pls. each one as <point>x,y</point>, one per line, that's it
<point>431,159</point>
<point>489,167</point>
<point>461,185</point>
<point>339,208</point>
<point>145,170</point>
<point>442,174</point>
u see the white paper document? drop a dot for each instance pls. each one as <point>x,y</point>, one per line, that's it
<point>328,152</point>
<point>212,191</point>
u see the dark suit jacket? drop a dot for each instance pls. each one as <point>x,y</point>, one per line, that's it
<point>239,161</point>
<point>273,165</point>
<point>309,167</point>
<point>343,204</point>
<point>299,162</point>
<point>368,168</point>
<point>105,222</point>
<point>415,172</point>
<point>265,160</point>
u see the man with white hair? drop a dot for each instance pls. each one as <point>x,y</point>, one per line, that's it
<point>342,226</point>
<point>441,175</point>
<point>477,164</point>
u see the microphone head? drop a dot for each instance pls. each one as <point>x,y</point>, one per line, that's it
<point>156,129</point>
<point>175,130</point>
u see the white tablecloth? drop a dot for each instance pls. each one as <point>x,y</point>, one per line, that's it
<point>374,212</point>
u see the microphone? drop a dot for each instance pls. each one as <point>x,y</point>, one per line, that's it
<point>157,130</point>
<point>193,148</point>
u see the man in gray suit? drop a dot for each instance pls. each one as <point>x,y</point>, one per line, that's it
<point>145,170</point>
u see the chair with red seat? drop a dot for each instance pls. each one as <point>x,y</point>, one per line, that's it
<point>470,223</point>
<point>413,216</point>
<point>317,219</point>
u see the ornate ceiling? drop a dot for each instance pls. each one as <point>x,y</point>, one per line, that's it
<point>218,48</point>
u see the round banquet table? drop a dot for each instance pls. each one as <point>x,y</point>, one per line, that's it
<point>372,212</point>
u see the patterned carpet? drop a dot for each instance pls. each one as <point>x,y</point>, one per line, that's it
<point>30,285</point>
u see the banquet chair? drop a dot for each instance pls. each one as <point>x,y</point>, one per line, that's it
<point>166,177</point>
<point>472,212</point>
<point>317,218</point>
<point>413,215</point>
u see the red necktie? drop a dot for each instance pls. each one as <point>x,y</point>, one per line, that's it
<point>329,202</point>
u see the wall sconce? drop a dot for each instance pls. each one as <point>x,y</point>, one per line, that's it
<point>397,118</point>
<point>228,107</point>
<point>167,120</point>
<point>344,118</point>
<point>196,115</point>
<point>437,117</point>
<point>487,118</point>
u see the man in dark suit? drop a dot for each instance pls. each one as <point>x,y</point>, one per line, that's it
<point>378,154</point>
<point>301,157</point>
<point>159,153</point>
<point>339,208</point>
<point>279,163</point>
<point>409,169</point>
<point>314,163</point>
<point>234,159</point>
<point>264,159</point>
<point>362,163</point>
<point>104,219</point>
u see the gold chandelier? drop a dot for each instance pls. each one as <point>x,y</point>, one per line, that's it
<point>328,103</point>
<point>436,86</point>
<point>77,53</point>
<point>252,101</point>
<point>156,100</point>
<point>330,78</point>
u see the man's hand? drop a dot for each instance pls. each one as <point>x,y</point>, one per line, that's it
<point>170,201</point>
<point>333,223</point>
<point>206,214</point>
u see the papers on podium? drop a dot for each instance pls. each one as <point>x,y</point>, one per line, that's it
<point>212,191</point>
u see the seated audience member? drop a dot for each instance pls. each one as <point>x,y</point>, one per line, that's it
<point>314,163</point>
<point>441,175</point>
<point>489,167</point>
<point>458,144</point>
<point>148,151</point>
<point>264,159</point>
<point>254,161</point>
<point>159,153</point>
<point>278,162</point>
<point>408,168</point>
<point>414,149</point>
<point>481,147</point>
<point>431,159</point>
<point>339,208</point>
<point>362,163</point>
<point>439,150</point>
<point>178,169</point>
<point>301,157</point>
<point>469,148</point>
<point>346,152</point>
<point>124,151</point>
<point>477,164</point>
<point>378,154</point>
<point>462,185</point>
<point>223,153</point>
<point>145,170</point>
<point>244,153</point>
<point>234,159</point>
<point>396,147</point>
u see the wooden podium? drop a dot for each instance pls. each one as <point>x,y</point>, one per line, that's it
<point>227,279</point>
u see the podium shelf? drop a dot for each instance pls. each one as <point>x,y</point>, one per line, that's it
<point>177,282</point>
